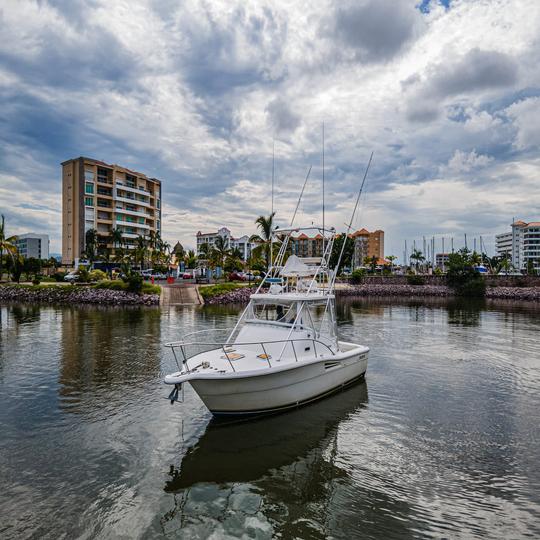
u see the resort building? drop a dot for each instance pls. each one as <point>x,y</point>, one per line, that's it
<point>243,244</point>
<point>33,245</point>
<point>96,195</point>
<point>305,246</point>
<point>367,245</point>
<point>521,245</point>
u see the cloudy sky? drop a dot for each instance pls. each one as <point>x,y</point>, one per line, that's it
<point>445,93</point>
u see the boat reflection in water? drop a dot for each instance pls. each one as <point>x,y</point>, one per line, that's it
<point>255,472</point>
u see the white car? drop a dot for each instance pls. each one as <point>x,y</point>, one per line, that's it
<point>72,277</point>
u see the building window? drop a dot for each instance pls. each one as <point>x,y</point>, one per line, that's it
<point>89,201</point>
<point>89,176</point>
<point>89,188</point>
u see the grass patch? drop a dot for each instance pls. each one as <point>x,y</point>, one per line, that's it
<point>220,288</point>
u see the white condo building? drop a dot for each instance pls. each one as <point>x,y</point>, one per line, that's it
<point>33,245</point>
<point>521,244</point>
<point>242,243</point>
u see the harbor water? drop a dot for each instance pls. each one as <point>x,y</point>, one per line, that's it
<point>441,441</point>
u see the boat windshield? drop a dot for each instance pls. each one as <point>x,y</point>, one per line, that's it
<point>283,313</point>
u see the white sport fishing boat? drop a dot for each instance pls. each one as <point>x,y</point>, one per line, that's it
<point>284,350</point>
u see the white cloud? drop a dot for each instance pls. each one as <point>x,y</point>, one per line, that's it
<point>195,92</point>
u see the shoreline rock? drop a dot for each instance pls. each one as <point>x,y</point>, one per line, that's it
<point>69,295</point>
<point>241,296</point>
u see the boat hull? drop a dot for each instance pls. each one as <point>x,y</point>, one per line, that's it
<point>280,390</point>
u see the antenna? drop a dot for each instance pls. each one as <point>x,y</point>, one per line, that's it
<point>300,198</point>
<point>352,218</point>
<point>273,159</point>
<point>272,211</point>
<point>324,232</point>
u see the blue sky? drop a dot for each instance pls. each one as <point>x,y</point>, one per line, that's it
<point>446,94</point>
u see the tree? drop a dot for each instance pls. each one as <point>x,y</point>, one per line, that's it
<point>220,250</point>
<point>204,250</point>
<point>346,260</point>
<point>6,244</point>
<point>116,238</point>
<point>391,258</point>
<point>462,276</point>
<point>140,251</point>
<point>90,248</point>
<point>190,259</point>
<point>418,257</point>
<point>264,239</point>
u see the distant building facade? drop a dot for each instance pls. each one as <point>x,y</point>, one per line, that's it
<point>242,243</point>
<point>33,245</point>
<point>306,246</point>
<point>521,245</point>
<point>367,244</point>
<point>96,195</point>
<point>441,260</point>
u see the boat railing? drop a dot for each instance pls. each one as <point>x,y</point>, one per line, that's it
<point>228,352</point>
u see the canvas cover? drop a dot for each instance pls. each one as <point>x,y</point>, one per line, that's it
<point>294,267</point>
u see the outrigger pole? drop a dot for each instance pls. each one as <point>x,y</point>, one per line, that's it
<point>351,221</point>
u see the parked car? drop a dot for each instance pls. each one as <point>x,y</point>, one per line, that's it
<point>159,275</point>
<point>187,275</point>
<point>72,277</point>
<point>510,273</point>
<point>237,276</point>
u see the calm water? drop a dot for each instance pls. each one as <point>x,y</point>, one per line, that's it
<point>443,439</point>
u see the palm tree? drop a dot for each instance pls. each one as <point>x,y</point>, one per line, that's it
<point>190,259</point>
<point>204,250</point>
<point>140,249</point>
<point>115,237</point>
<point>6,244</point>
<point>221,250</point>
<point>264,239</point>
<point>418,257</point>
<point>91,238</point>
<point>391,258</point>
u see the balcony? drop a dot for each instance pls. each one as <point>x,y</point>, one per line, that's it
<point>130,235</point>
<point>133,224</point>
<point>138,213</point>
<point>132,200</point>
<point>104,180</point>
<point>132,188</point>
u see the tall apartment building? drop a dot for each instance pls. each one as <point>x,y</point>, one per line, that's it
<point>33,245</point>
<point>521,244</point>
<point>96,195</point>
<point>242,243</point>
<point>367,244</point>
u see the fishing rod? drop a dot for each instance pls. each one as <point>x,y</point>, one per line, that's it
<point>349,227</point>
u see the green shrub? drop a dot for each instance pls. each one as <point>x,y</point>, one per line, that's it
<point>83,274</point>
<point>113,285</point>
<point>47,279</point>
<point>215,290</point>
<point>134,282</point>
<point>59,276</point>
<point>97,275</point>
<point>36,280</point>
<point>358,275</point>
<point>415,279</point>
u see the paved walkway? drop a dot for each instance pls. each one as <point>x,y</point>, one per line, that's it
<point>179,294</point>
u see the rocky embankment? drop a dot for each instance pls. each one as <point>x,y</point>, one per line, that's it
<point>241,296</point>
<point>73,295</point>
